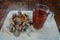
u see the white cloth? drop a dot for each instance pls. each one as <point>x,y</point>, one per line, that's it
<point>48,32</point>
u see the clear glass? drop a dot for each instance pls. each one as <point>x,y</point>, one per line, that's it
<point>40,14</point>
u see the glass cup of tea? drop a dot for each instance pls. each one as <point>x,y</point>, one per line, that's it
<point>40,14</point>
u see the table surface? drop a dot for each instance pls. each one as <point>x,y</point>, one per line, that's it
<point>53,5</point>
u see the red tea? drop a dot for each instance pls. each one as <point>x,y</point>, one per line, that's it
<point>39,17</point>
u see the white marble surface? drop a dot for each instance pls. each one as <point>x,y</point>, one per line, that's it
<point>48,32</point>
